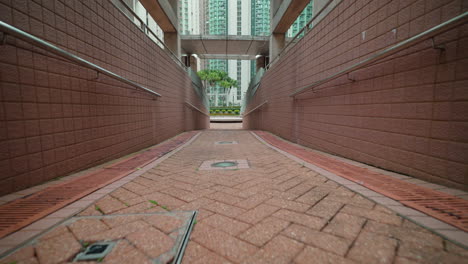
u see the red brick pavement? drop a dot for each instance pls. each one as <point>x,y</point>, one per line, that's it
<point>24,211</point>
<point>277,211</point>
<point>443,206</point>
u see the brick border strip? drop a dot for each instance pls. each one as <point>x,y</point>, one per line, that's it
<point>443,229</point>
<point>34,229</point>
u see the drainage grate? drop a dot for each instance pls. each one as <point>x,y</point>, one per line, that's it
<point>445,207</point>
<point>24,211</point>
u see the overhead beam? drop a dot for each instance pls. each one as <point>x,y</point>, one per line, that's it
<point>225,46</point>
<point>164,12</point>
<point>284,13</point>
<point>226,57</point>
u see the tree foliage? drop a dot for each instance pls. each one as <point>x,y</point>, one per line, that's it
<point>218,77</point>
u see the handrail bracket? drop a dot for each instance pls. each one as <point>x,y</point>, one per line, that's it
<point>440,47</point>
<point>4,38</point>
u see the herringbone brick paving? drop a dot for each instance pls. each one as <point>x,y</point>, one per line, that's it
<point>278,211</point>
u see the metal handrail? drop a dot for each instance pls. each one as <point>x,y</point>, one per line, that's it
<point>255,108</point>
<point>144,27</point>
<point>196,108</point>
<point>299,32</point>
<point>13,31</point>
<point>447,25</point>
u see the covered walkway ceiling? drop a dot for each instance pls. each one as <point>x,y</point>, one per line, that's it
<point>284,13</point>
<point>225,47</point>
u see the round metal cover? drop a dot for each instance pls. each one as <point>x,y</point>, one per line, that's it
<point>224,164</point>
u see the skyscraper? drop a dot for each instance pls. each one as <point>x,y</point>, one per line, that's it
<point>229,18</point>
<point>260,17</point>
<point>226,17</point>
<point>301,21</point>
<point>217,17</point>
<point>190,22</point>
<point>239,23</point>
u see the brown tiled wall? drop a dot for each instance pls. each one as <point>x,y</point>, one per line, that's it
<point>57,118</point>
<point>407,113</point>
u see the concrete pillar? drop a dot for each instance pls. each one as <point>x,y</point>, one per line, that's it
<point>277,43</point>
<point>165,13</point>
<point>190,61</point>
<point>184,59</point>
<point>193,63</point>
<point>274,6</point>
<point>260,63</point>
<point>175,5</point>
<point>172,41</point>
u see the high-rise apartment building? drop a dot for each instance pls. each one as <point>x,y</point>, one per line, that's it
<point>217,18</point>
<point>229,18</point>
<point>301,21</point>
<point>226,17</point>
<point>260,17</point>
<point>190,22</point>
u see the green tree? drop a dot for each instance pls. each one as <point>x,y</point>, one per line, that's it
<point>217,77</point>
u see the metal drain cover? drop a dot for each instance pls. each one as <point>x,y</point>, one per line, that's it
<point>224,164</point>
<point>96,251</point>
<point>226,142</point>
<point>230,164</point>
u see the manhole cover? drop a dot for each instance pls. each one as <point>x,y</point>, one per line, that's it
<point>226,142</point>
<point>230,164</point>
<point>224,164</point>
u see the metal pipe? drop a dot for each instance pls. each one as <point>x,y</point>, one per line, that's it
<point>447,25</point>
<point>255,108</point>
<point>13,31</point>
<point>196,108</point>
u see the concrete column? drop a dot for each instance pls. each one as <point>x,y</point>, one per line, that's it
<point>274,6</point>
<point>172,41</point>
<point>260,63</point>
<point>175,5</point>
<point>165,13</point>
<point>193,63</point>
<point>185,61</point>
<point>277,43</point>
